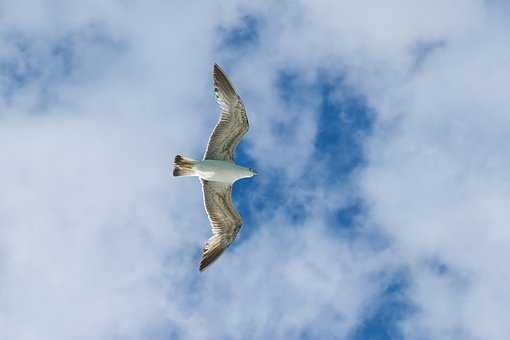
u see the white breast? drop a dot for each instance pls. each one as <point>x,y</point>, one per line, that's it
<point>220,171</point>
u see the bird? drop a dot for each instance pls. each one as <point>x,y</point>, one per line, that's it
<point>218,171</point>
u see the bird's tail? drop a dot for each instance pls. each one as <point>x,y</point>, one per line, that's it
<point>183,166</point>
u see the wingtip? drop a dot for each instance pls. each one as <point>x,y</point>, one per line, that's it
<point>216,72</point>
<point>217,69</point>
<point>204,264</point>
<point>212,251</point>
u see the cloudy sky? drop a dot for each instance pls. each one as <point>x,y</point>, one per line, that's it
<point>380,132</point>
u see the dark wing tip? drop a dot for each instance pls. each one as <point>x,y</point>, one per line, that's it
<point>207,260</point>
<point>222,83</point>
<point>203,265</point>
<point>210,254</point>
<point>217,68</point>
<point>217,73</point>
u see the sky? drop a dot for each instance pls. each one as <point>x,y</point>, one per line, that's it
<point>380,133</point>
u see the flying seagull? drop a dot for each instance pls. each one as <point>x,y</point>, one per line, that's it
<point>217,171</point>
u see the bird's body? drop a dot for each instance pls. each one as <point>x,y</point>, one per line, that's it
<point>221,171</point>
<point>218,171</point>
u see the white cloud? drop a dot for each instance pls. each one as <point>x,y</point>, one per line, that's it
<point>436,179</point>
<point>438,183</point>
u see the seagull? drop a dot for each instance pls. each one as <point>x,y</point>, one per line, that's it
<point>217,171</point>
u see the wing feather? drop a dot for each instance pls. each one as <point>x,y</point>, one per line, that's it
<point>225,220</point>
<point>233,123</point>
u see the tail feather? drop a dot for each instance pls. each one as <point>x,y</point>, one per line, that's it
<point>183,166</point>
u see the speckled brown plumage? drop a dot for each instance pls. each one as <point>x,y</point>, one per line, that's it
<point>233,123</point>
<point>225,220</point>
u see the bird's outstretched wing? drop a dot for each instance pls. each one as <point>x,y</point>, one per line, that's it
<point>225,220</point>
<point>233,123</point>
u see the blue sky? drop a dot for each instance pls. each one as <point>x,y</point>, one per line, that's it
<point>342,124</point>
<point>380,139</point>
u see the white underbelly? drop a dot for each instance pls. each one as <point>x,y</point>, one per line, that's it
<point>218,171</point>
<point>220,177</point>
